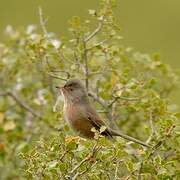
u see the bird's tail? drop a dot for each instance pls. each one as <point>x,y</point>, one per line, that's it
<point>129,138</point>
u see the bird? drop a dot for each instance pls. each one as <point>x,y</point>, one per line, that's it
<point>82,116</point>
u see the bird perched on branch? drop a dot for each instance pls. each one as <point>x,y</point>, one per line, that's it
<point>82,116</point>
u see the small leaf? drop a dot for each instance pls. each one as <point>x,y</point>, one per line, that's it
<point>92,12</point>
<point>158,159</point>
<point>93,129</point>
<point>52,164</point>
<point>102,129</point>
<point>156,57</point>
<point>2,146</point>
<point>71,139</point>
<point>9,126</point>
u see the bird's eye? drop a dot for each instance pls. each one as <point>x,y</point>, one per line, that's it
<point>70,85</point>
<point>71,89</point>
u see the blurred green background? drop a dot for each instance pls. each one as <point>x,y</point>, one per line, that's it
<point>147,25</point>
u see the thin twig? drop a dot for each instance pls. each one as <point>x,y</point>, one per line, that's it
<point>152,128</point>
<point>3,94</point>
<point>42,22</point>
<point>97,99</point>
<point>63,155</point>
<point>97,44</point>
<point>82,162</point>
<point>57,77</point>
<point>107,110</point>
<point>116,170</point>
<point>86,67</point>
<point>139,171</point>
<point>68,75</point>
<point>123,98</point>
<point>95,31</point>
<point>63,57</point>
<point>75,176</point>
<point>89,156</point>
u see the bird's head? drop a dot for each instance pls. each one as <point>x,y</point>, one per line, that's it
<point>73,91</point>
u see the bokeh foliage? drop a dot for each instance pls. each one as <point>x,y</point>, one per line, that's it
<point>130,89</point>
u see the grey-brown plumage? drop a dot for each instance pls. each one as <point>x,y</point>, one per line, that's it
<point>82,116</point>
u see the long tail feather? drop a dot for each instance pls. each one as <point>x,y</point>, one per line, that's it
<point>129,138</point>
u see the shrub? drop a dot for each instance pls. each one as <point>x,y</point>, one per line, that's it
<point>130,89</point>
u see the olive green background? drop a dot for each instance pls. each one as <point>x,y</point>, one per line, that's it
<point>147,25</point>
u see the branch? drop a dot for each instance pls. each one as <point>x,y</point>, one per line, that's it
<point>95,31</point>
<point>63,155</point>
<point>97,44</point>
<point>57,77</point>
<point>64,58</point>
<point>3,94</point>
<point>153,132</point>
<point>21,103</point>
<point>86,70</point>
<point>89,156</point>
<point>98,100</point>
<point>68,75</point>
<point>42,22</point>
<point>82,162</point>
<point>107,110</point>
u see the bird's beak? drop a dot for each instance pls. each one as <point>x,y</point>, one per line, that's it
<point>58,87</point>
<point>61,88</point>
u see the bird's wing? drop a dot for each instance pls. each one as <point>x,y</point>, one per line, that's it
<point>96,121</point>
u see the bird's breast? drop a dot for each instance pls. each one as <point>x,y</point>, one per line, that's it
<point>71,112</point>
<point>75,117</point>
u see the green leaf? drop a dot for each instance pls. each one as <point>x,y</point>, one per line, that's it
<point>92,12</point>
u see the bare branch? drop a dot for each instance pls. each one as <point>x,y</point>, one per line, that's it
<point>97,99</point>
<point>63,155</point>
<point>3,94</point>
<point>57,77</point>
<point>152,128</point>
<point>107,109</point>
<point>123,98</point>
<point>21,103</point>
<point>63,57</point>
<point>86,70</point>
<point>42,22</point>
<point>78,165</point>
<point>97,44</point>
<point>95,31</point>
<point>68,75</point>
